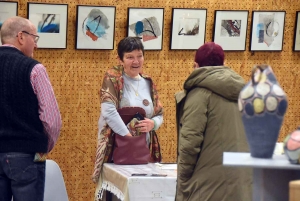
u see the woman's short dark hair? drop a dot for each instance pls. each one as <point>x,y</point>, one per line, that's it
<point>129,44</point>
<point>210,54</point>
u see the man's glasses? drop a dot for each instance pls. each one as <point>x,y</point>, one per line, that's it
<point>36,37</point>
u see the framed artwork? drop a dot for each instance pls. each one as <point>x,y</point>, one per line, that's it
<point>147,24</point>
<point>51,22</point>
<point>95,27</point>
<point>230,29</point>
<point>7,9</point>
<point>188,28</point>
<point>267,30</point>
<point>296,46</point>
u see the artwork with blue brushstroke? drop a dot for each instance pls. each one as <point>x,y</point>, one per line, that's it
<point>49,23</point>
<point>3,17</point>
<point>260,32</point>
<point>267,29</point>
<point>147,28</point>
<point>95,25</point>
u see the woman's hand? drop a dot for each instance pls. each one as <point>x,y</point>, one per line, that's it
<point>145,125</point>
<point>128,134</point>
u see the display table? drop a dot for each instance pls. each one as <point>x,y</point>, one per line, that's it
<point>118,180</point>
<point>271,177</point>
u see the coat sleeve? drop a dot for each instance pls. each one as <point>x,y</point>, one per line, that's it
<point>193,124</point>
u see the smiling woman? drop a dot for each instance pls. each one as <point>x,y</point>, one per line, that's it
<point>132,62</point>
<point>125,86</point>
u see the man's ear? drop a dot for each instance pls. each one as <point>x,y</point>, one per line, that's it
<point>20,38</point>
<point>196,65</point>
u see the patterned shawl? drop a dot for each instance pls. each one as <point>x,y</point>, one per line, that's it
<point>112,91</point>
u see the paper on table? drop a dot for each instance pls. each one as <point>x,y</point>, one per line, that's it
<point>171,166</point>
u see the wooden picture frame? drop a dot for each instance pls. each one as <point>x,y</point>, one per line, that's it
<point>230,29</point>
<point>7,9</point>
<point>95,27</point>
<point>147,24</point>
<point>267,30</point>
<point>188,28</point>
<point>51,21</point>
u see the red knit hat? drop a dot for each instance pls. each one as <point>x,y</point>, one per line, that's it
<point>210,54</point>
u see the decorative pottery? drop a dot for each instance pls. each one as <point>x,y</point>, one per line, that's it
<point>263,104</point>
<point>292,146</point>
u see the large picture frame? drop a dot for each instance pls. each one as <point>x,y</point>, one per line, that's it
<point>188,28</point>
<point>95,27</point>
<point>296,45</point>
<point>51,21</point>
<point>7,9</point>
<point>267,30</point>
<point>230,29</point>
<point>147,24</point>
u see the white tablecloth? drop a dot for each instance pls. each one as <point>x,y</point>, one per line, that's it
<point>118,180</point>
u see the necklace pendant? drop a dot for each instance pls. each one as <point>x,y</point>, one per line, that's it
<point>136,94</point>
<point>145,102</point>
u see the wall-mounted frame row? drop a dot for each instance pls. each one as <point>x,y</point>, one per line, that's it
<point>96,27</point>
<point>230,29</point>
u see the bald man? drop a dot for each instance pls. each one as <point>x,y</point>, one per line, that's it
<point>30,120</point>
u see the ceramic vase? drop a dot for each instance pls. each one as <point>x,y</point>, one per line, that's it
<point>292,146</point>
<point>263,104</point>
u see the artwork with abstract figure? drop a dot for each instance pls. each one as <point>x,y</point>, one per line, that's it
<point>147,28</point>
<point>263,104</point>
<point>230,28</point>
<point>3,17</point>
<point>49,23</point>
<point>296,45</point>
<point>95,25</point>
<point>188,26</point>
<point>267,29</point>
<point>7,10</point>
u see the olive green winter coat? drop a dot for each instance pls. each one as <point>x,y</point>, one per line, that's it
<point>209,123</point>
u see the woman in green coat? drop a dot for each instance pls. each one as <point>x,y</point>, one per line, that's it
<point>209,123</point>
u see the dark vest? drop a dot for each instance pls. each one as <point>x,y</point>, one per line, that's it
<point>21,130</point>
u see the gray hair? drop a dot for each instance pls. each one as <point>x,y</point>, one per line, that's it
<point>11,27</point>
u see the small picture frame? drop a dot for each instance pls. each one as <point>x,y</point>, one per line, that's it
<point>51,22</point>
<point>7,9</point>
<point>267,30</point>
<point>230,29</point>
<point>296,45</point>
<point>188,28</point>
<point>147,24</point>
<point>95,27</point>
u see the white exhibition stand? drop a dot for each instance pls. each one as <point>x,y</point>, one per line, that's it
<point>271,177</point>
<point>118,179</point>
